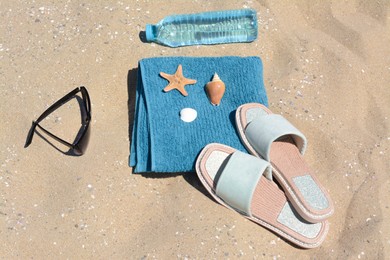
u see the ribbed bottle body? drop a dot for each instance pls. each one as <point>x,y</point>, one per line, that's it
<point>206,28</point>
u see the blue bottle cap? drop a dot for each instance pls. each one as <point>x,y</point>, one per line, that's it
<point>150,32</point>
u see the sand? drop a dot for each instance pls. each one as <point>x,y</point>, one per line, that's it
<point>326,68</point>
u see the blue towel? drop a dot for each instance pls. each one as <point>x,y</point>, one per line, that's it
<point>161,141</point>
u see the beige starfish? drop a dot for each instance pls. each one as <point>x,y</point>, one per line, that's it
<point>177,81</point>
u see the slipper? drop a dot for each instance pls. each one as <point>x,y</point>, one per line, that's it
<point>235,180</point>
<point>273,138</point>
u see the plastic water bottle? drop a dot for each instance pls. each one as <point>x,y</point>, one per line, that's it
<point>204,28</point>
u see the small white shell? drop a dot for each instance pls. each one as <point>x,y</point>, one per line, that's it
<point>188,114</point>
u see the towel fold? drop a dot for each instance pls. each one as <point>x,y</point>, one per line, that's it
<point>161,141</point>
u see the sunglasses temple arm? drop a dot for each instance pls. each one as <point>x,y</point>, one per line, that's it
<point>30,135</point>
<point>55,137</point>
<point>57,104</point>
<point>32,131</point>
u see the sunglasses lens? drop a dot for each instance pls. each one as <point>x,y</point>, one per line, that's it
<point>82,145</point>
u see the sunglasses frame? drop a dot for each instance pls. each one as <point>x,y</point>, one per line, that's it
<point>79,146</point>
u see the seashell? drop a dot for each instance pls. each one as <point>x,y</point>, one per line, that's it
<point>188,114</point>
<point>215,90</point>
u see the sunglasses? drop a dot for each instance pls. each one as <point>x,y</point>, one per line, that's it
<point>79,146</point>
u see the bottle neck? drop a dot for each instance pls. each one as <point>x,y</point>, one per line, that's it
<point>151,32</point>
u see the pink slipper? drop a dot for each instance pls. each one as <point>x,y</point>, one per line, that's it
<point>273,138</point>
<point>235,180</point>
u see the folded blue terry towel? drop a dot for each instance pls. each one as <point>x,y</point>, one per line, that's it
<point>161,141</point>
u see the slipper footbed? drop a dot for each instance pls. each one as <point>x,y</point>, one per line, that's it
<point>270,207</point>
<point>291,171</point>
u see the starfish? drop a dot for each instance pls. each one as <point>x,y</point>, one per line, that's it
<point>177,81</point>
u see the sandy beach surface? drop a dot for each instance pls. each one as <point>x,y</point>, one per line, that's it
<point>326,68</point>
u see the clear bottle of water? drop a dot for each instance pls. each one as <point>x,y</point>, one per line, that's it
<point>204,28</point>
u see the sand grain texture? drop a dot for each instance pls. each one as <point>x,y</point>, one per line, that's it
<point>326,68</point>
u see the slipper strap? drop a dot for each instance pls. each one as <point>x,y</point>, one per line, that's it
<point>238,180</point>
<point>264,130</point>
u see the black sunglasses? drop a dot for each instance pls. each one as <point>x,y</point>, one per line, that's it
<point>80,144</point>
